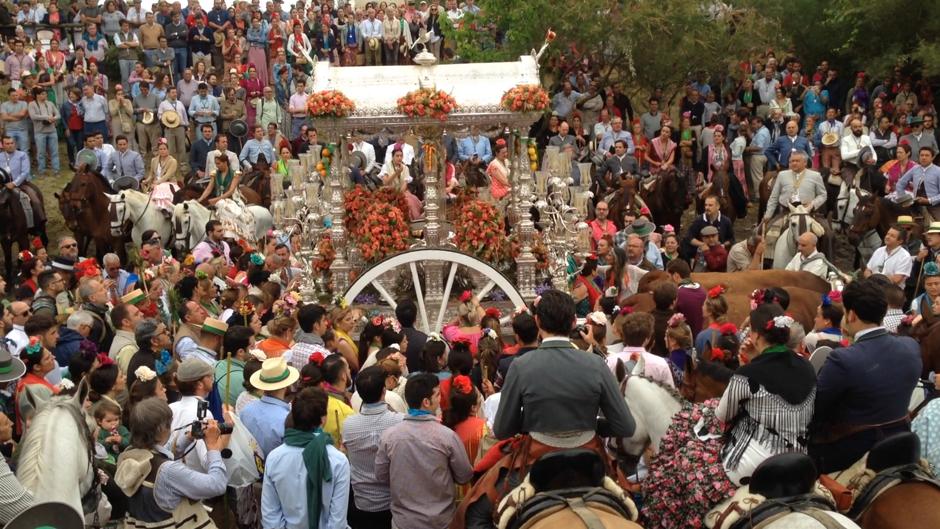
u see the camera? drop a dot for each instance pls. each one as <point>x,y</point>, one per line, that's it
<point>576,332</point>
<point>197,429</point>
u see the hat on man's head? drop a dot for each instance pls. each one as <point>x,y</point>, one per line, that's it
<point>11,368</point>
<point>65,264</point>
<point>214,326</point>
<point>905,220</point>
<point>931,269</point>
<point>933,228</point>
<point>915,120</point>
<point>133,297</point>
<point>51,514</point>
<point>274,375</point>
<point>641,227</point>
<point>708,230</point>
<point>193,369</point>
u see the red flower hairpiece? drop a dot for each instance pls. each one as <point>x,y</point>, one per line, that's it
<point>770,325</point>
<point>87,268</point>
<point>36,243</point>
<point>466,296</point>
<point>26,255</point>
<point>462,384</point>
<point>717,355</point>
<point>316,358</point>
<point>377,321</point>
<point>624,311</point>
<point>500,142</point>
<point>494,312</point>
<point>728,329</point>
<point>104,360</point>
<point>835,296</point>
<point>716,291</point>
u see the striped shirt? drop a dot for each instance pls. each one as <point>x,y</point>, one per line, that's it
<point>14,499</point>
<point>361,436</point>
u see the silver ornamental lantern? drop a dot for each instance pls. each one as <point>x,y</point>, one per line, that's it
<point>525,262</point>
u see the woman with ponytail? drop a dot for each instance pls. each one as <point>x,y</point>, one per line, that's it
<point>461,416</point>
<point>467,325</point>
<point>715,314</point>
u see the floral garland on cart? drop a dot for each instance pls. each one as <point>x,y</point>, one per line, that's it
<point>427,102</point>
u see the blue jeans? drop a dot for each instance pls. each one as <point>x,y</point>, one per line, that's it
<point>180,62</point>
<point>47,140</point>
<point>149,58</point>
<point>22,139</point>
<point>126,66</point>
<point>74,142</point>
<point>92,127</point>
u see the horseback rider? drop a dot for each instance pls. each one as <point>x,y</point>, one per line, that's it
<point>856,404</point>
<point>926,180</point>
<point>224,182</point>
<point>797,185</point>
<point>927,305</point>
<point>14,172</point>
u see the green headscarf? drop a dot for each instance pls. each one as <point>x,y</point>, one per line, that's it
<point>318,466</point>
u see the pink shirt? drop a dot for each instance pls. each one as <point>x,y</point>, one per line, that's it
<point>656,367</point>
<point>597,232</point>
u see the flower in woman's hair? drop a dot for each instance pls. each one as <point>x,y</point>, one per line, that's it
<point>717,354</point>
<point>26,255</point>
<point>104,360</point>
<point>145,374</point>
<point>466,296</point>
<point>189,260</point>
<point>34,345</point>
<point>783,322</point>
<point>340,302</point>
<point>676,320</point>
<point>66,385</point>
<point>489,333</point>
<point>377,321</point>
<point>597,318</point>
<point>201,274</point>
<point>462,384</point>
<point>391,323</point>
<point>256,259</point>
<point>835,296</point>
<point>728,329</point>
<point>716,291</point>
<point>494,312</point>
<point>316,358</point>
<point>245,307</point>
<point>624,311</point>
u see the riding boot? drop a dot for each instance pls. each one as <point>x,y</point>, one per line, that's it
<point>27,209</point>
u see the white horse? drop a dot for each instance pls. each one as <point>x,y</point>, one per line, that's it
<point>137,208</point>
<point>190,218</point>
<point>799,221</point>
<point>55,456</point>
<point>653,406</point>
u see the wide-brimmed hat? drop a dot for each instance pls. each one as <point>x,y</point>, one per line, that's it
<point>214,326</point>
<point>170,119</point>
<point>133,297</point>
<point>50,514</point>
<point>904,199</point>
<point>641,227</point>
<point>274,375</point>
<point>905,220</point>
<point>238,128</point>
<point>11,368</point>
<point>934,227</point>
<point>915,120</point>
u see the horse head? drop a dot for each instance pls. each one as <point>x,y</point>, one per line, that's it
<point>56,461</point>
<point>182,224</point>
<point>117,212</point>
<point>865,218</point>
<point>801,221</point>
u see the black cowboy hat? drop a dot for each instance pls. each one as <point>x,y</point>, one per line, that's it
<point>238,128</point>
<point>5,176</point>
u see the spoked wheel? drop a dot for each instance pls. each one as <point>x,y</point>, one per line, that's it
<point>433,274</point>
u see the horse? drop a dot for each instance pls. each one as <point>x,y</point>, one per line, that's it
<point>625,197</point>
<point>655,407</point>
<point>704,380</point>
<point>799,221</point>
<point>661,193</point>
<point>872,217</point>
<point>55,461</point>
<point>846,204</point>
<point>190,218</point>
<point>720,187</point>
<point>764,188</point>
<point>136,208</point>
<point>81,202</point>
<point>12,227</point>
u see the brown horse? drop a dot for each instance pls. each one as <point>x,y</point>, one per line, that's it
<point>12,226</point>
<point>666,196</point>
<point>81,202</point>
<point>874,213</point>
<point>704,380</point>
<point>626,197</point>
<point>904,506</point>
<point>763,191</point>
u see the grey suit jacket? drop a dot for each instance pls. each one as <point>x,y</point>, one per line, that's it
<point>812,189</point>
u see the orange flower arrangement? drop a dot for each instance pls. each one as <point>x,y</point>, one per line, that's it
<point>479,231</point>
<point>525,98</point>
<point>426,102</point>
<point>376,221</point>
<point>327,253</point>
<point>329,103</point>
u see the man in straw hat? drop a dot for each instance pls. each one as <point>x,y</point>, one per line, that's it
<point>265,417</point>
<point>210,341</point>
<point>172,113</point>
<point>306,480</point>
<point>931,251</point>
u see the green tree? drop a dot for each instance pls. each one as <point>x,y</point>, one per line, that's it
<point>641,43</point>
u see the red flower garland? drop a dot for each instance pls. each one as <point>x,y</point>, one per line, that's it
<point>329,103</point>
<point>525,98</point>
<point>426,102</point>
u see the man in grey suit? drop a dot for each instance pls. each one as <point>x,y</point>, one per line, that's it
<point>554,392</point>
<point>797,184</point>
<point>123,164</point>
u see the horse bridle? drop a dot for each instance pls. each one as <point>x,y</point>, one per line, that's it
<point>117,224</point>
<point>179,231</point>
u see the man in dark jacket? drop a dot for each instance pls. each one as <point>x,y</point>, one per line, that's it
<point>407,312</point>
<point>71,335</point>
<point>863,391</point>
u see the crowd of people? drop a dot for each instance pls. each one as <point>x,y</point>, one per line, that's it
<point>354,416</point>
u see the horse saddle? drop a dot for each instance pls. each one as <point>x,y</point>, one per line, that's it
<point>784,475</point>
<point>566,469</point>
<point>594,508</point>
<point>896,450</point>
<point>125,182</point>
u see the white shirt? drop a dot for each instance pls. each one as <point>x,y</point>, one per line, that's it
<point>407,153</point>
<point>184,413</point>
<point>816,266</point>
<point>896,263</point>
<point>210,161</point>
<point>18,336</point>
